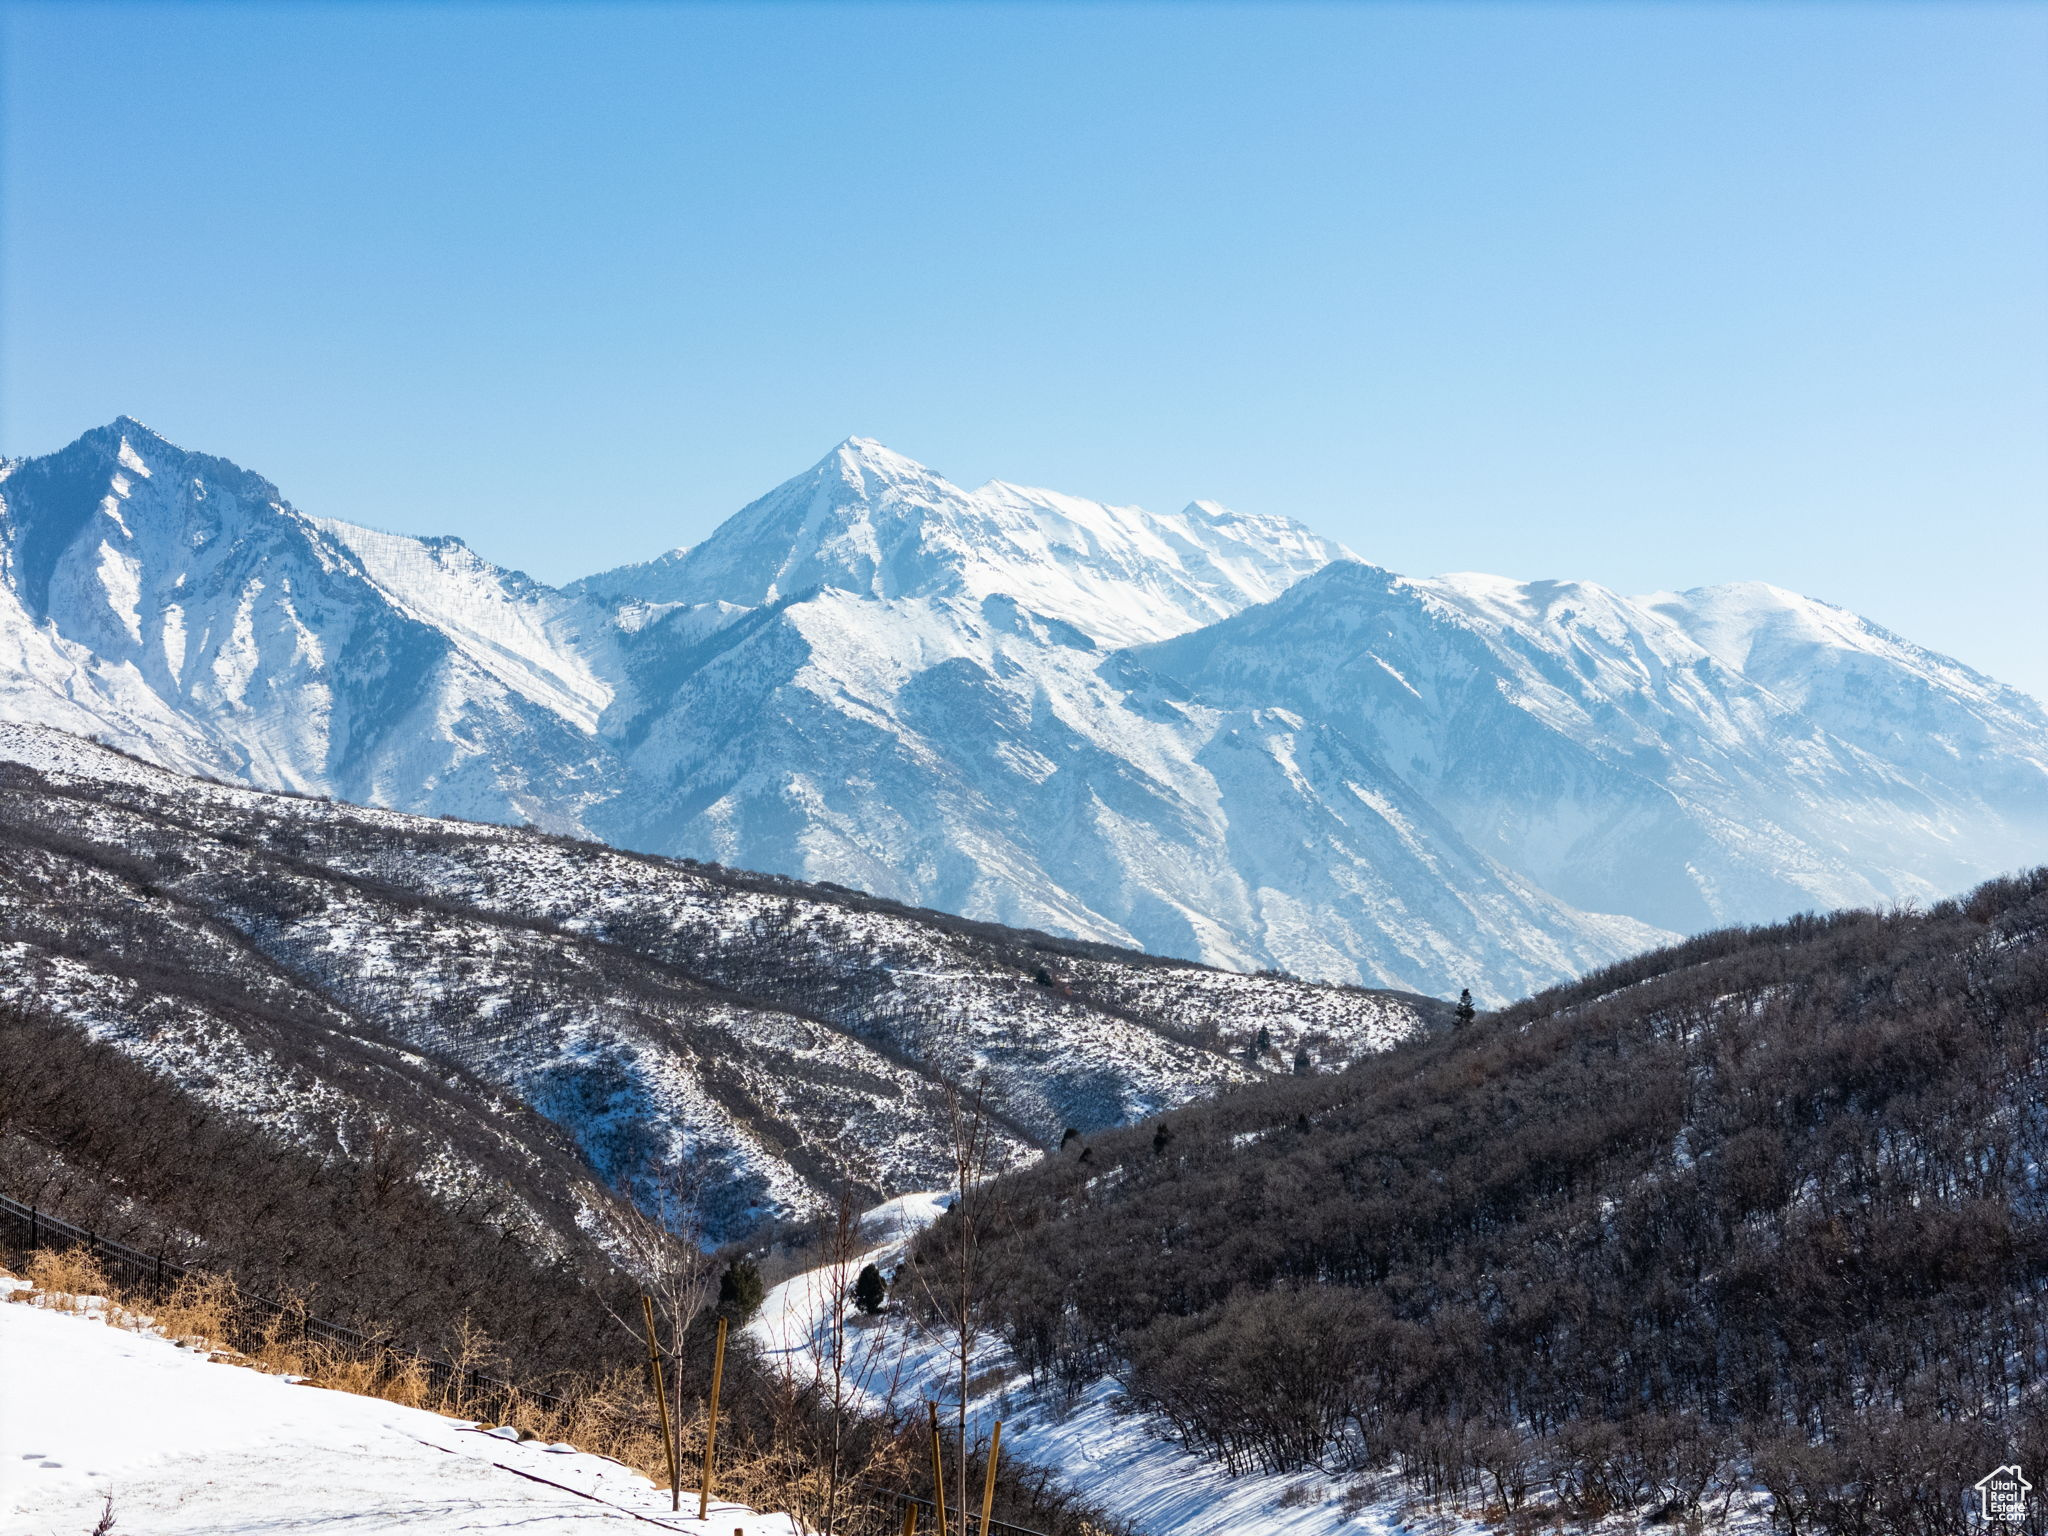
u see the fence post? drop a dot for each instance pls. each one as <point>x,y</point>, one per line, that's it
<point>711,1425</point>
<point>668,1438</point>
<point>988,1486</point>
<point>938,1470</point>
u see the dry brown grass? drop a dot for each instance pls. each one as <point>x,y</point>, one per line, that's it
<point>199,1312</point>
<point>610,1414</point>
<point>207,1312</point>
<point>71,1274</point>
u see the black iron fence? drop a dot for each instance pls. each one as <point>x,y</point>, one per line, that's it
<point>42,1230</point>
<point>954,1520</point>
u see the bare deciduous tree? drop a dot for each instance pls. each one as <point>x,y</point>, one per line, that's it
<point>951,1290</point>
<point>663,1238</point>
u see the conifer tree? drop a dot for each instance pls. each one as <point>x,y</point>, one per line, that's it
<point>740,1290</point>
<point>1466,1012</point>
<point>870,1291</point>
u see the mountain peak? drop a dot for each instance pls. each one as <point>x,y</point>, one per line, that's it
<point>1733,619</point>
<point>862,447</point>
<point>870,520</point>
<point>865,458</point>
<point>139,436</point>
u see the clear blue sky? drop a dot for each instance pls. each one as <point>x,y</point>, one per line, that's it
<point>1655,295</point>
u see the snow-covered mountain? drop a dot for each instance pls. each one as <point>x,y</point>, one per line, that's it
<point>1212,735</point>
<point>867,521</point>
<point>178,605</point>
<point>1677,759</point>
<point>1971,741</point>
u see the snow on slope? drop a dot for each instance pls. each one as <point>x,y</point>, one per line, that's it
<point>777,1038</point>
<point>186,1446</point>
<point>982,758</point>
<point>1592,744</point>
<point>528,636</point>
<point>1926,713</point>
<point>1120,1461</point>
<point>176,603</point>
<point>1124,1462</point>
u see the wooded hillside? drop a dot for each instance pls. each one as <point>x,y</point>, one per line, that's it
<point>1765,1203</point>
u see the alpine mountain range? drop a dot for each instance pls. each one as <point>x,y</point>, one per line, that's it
<point>1207,734</point>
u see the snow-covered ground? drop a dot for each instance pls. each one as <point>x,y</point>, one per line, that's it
<point>185,1446</point>
<point>1119,1460</point>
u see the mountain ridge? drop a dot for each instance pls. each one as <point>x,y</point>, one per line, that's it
<point>293,957</point>
<point>1214,734</point>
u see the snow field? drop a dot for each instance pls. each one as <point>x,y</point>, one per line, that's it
<point>186,1446</point>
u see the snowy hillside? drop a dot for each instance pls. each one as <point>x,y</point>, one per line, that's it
<point>558,1017</point>
<point>96,1418</point>
<point>1212,735</point>
<point>1127,1463</point>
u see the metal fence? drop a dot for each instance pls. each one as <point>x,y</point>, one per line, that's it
<point>42,1230</point>
<point>971,1522</point>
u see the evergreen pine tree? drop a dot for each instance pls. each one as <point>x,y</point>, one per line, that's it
<point>1466,1012</point>
<point>1302,1065</point>
<point>1160,1138</point>
<point>1265,1039</point>
<point>740,1291</point>
<point>870,1291</point>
